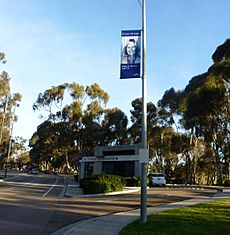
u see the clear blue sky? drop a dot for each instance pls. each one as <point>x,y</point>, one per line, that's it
<point>49,42</point>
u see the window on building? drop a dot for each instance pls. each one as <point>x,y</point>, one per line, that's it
<point>122,168</point>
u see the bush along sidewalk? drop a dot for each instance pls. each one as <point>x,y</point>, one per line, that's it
<point>102,183</point>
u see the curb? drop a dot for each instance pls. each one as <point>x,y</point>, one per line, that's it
<point>81,195</point>
<point>126,190</point>
<point>217,188</point>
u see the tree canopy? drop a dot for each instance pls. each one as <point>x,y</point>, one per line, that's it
<point>8,104</point>
<point>188,130</point>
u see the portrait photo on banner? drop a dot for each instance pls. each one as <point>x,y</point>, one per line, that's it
<point>130,53</point>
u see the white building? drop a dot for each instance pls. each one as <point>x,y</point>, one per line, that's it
<point>121,160</point>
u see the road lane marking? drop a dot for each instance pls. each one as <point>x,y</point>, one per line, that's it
<point>28,184</point>
<point>106,201</point>
<point>45,194</point>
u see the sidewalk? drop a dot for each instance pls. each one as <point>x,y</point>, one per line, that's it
<point>113,223</point>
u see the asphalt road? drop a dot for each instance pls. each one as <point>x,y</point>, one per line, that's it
<point>32,204</point>
<point>72,210</point>
<point>28,202</point>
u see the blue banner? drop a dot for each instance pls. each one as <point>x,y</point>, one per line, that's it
<point>130,54</point>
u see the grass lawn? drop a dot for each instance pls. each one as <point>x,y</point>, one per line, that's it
<point>203,219</point>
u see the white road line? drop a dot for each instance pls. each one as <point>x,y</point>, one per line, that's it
<point>49,189</point>
<point>27,183</point>
<point>106,201</point>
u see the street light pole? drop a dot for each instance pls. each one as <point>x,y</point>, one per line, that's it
<point>144,119</point>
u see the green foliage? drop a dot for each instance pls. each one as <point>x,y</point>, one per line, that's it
<point>52,144</point>
<point>167,145</point>
<point>2,57</point>
<point>170,107</point>
<point>222,52</point>
<point>189,126</point>
<point>68,128</point>
<point>102,183</point>
<point>227,183</point>
<point>136,118</point>
<point>8,104</point>
<point>95,92</point>
<point>114,127</point>
<point>133,181</point>
<point>206,109</point>
<point>202,112</point>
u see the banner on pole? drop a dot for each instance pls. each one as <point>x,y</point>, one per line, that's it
<point>130,54</point>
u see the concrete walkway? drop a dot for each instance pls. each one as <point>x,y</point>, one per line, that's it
<point>112,224</point>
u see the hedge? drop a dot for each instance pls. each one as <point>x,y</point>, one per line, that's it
<point>133,181</point>
<point>102,183</point>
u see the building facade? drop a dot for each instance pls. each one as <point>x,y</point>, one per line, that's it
<point>121,160</point>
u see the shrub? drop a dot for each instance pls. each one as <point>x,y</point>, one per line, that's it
<point>102,183</point>
<point>227,183</point>
<point>94,187</point>
<point>133,181</point>
<point>178,180</point>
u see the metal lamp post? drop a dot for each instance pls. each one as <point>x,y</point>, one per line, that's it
<point>130,70</point>
<point>144,119</point>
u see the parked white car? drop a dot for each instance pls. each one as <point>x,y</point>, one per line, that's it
<point>156,179</point>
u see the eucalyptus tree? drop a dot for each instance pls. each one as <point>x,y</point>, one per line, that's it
<point>8,103</point>
<point>206,107</point>
<point>84,115</point>
<point>50,101</point>
<point>4,94</point>
<point>114,127</point>
<point>170,109</point>
<point>2,57</point>
<point>19,146</point>
<point>136,117</point>
<point>167,146</point>
<point>51,144</point>
<point>4,97</point>
<point>171,113</point>
<point>41,144</point>
<point>200,113</point>
<point>20,151</point>
<point>135,129</point>
<point>74,115</point>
